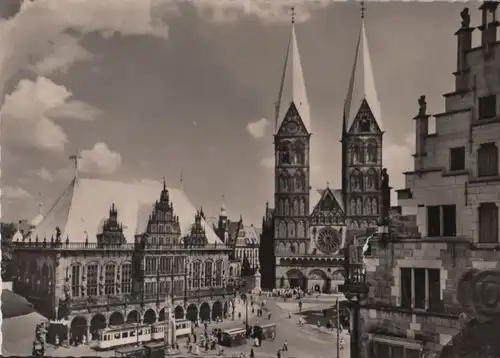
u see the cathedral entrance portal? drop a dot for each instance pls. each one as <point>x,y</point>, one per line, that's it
<point>318,281</point>
<point>296,279</point>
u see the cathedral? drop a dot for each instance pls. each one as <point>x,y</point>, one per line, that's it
<point>304,232</point>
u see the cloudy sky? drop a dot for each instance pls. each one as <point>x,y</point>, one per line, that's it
<point>144,88</point>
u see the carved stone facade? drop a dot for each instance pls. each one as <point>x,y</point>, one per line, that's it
<point>109,282</point>
<point>420,298</point>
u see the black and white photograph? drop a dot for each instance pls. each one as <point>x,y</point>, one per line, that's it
<point>250,178</point>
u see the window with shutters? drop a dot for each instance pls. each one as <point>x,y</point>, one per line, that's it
<point>457,158</point>
<point>488,107</point>
<point>488,223</point>
<point>487,160</point>
<point>421,289</point>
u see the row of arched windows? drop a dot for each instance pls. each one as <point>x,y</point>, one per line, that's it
<point>292,153</point>
<point>291,229</point>
<point>363,206</point>
<point>289,183</point>
<point>286,248</point>
<point>31,278</point>
<point>361,224</point>
<point>206,274</point>
<point>165,264</point>
<point>86,280</point>
<point>364,152</point>
<point>367,182</point>
<point>327,218</point>
<point>292,207</point>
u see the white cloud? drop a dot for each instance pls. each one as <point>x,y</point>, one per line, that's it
<point>268,162</point>
<point>257,129</point>
<point>15,193</point>
<point>99,160</point>
<point>266,11</point>
<point>36,37</point>
<point>44,174</point>
<point>64,51</point>
<point>28,112</point>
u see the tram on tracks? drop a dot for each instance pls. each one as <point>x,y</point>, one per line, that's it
<point>133,333</point>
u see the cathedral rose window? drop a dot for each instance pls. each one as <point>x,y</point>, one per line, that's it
<point>328,240</point>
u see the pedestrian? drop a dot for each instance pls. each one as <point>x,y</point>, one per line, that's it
<point>253,310</point>
<point>278,355</point>
<point>289,314</point>
<point>285,345</point>
<point>252,354</point>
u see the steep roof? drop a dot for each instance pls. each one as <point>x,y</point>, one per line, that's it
<point>248,235</point>
<point>362,83</point>
<point>292,86</point>
<point>80,210</point>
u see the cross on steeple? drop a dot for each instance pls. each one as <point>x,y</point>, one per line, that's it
<point>182,180</point>
<point>293,14</point>
<point>75,158</point>
<point>363,9</point>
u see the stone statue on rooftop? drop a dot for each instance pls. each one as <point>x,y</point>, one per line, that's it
<point>422,104</point>
<point>464,14</point>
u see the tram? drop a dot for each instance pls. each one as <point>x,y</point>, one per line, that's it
<point>133,333</point>
<point>182,328</point>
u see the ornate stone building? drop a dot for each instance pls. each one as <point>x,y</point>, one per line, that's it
<point>436,293</point>
<point>243,239</point>
<point>98,269</point>
<point>304,232</point>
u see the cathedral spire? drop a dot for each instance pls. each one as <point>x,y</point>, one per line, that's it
<point>292,86</point>
<point>362,82</point>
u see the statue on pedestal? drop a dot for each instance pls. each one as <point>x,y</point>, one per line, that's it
<point>422,104</point>
<point>464,14</point>
<point>170,336</point>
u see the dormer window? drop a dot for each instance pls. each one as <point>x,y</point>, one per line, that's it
<point>153,227</point>
<point>364,124</point>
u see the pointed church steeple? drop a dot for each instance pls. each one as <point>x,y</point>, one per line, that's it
<point>292,86</point>
<point>362,82</point>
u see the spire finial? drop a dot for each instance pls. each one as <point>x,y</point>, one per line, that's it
<point>75,158</point>
<point>293,15</point>
<point>164,183</point>
<point>363,9</point>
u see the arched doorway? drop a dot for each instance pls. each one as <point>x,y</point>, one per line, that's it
<point>116,319</point>
<point>192,313</point>
<point>179,312</point>
<point>78,328</point>
<point>205,312</point>
<point>97,323</point>
<point>216,310</point>
<point>296,279</point>
<point>161,315</point>
<point>318,281</point>
<point>150,316</point>
<point>133,317</point>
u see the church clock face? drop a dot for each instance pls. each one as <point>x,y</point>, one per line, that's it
<point>292,127</point>
<point>328,240</point>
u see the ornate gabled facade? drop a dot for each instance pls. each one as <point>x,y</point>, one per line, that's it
<point>106,276</point>
<point>436,293</point>
<point>244,241</point>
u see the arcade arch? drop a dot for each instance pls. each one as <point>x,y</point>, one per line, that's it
<point>192,313</point>
<point>116,319</point>
<point>216,310</point>
<point>205,312</point>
